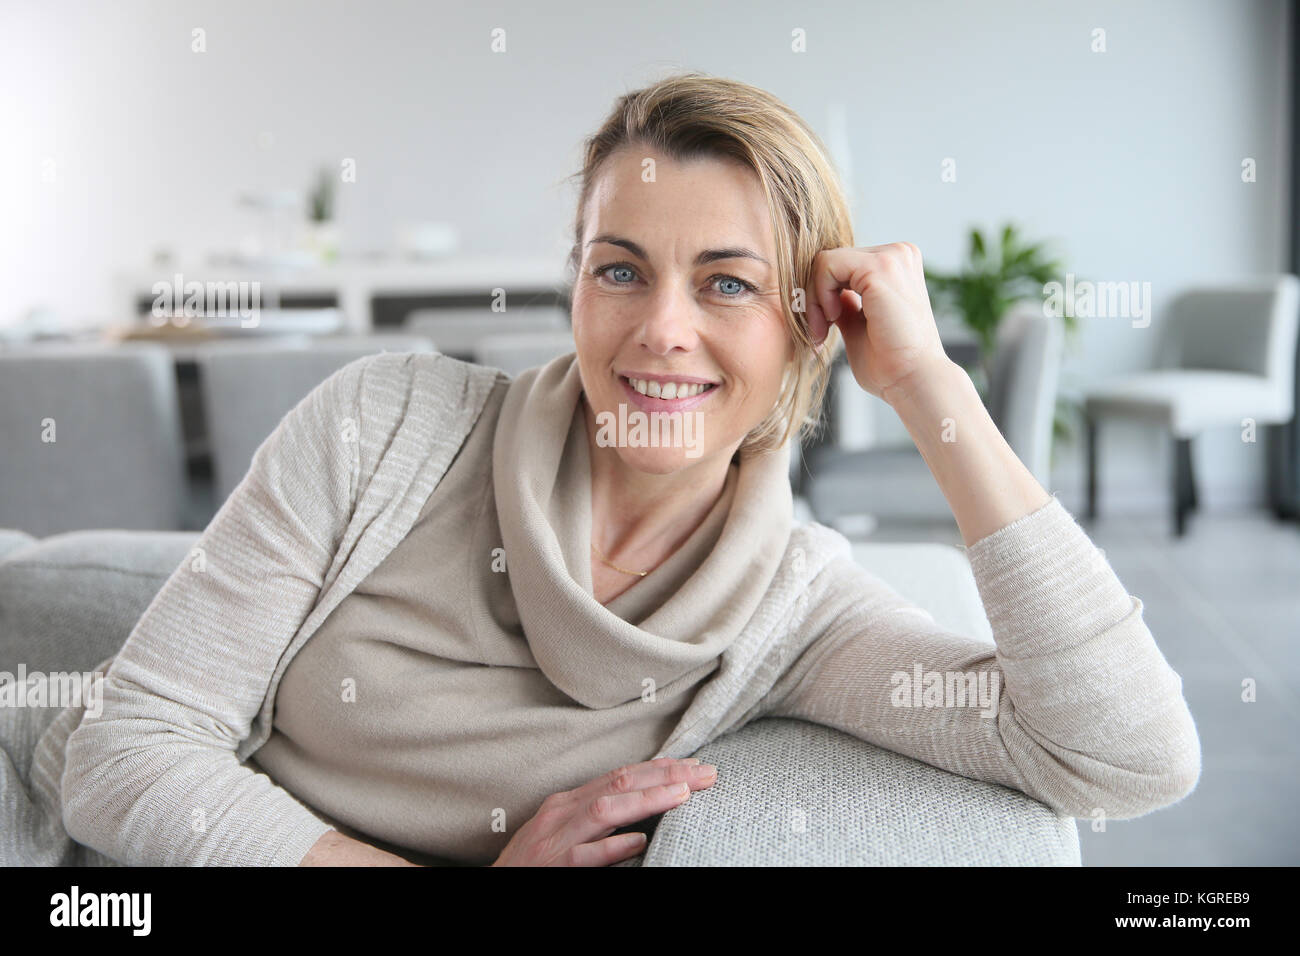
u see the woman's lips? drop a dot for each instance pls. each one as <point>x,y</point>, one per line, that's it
<point>648,403</point>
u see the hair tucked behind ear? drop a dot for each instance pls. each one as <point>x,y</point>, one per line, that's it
<point>691,116</point>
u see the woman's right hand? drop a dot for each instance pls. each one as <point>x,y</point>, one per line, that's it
<point>573,827</point>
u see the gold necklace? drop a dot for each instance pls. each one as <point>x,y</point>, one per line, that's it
<point>639,574</point>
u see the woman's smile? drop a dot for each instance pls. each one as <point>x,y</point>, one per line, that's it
<point>663,393</point>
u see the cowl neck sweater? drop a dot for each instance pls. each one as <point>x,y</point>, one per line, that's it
<point>674,621</point>
<point>487,675</point>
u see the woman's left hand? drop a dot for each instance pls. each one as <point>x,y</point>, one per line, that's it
<point>877,298</point>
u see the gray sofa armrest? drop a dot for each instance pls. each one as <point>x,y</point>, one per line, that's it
<point>794,793</point>
<point>11,539</point>
<point>70,600</point>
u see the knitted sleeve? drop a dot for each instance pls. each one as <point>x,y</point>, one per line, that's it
<point>1075,705</point>
<point>154,780</point>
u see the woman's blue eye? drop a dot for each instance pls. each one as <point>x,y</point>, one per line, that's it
<point>743,288</point>
<point>616,267</point>
<point>739,287</point>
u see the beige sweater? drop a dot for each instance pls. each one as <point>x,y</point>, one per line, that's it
<point>477,691</point>
<point>486,675</point>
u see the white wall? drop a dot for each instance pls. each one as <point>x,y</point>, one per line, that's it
<point>1130,158</point>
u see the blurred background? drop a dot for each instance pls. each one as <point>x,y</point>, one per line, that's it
<point>206,208</point>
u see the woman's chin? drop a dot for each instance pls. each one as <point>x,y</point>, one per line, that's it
<point>660,461</point>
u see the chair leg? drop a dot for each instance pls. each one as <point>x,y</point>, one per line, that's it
<point>1189,474</point>
<point>1090,456</point>
<point>1281,469</point>
<point>1181,484</point>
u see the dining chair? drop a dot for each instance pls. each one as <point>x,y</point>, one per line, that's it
<point>1226,358</point>
<point>91,438</point>
<point>248,387</point>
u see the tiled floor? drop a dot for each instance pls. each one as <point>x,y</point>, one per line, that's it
<point>1224,605</point>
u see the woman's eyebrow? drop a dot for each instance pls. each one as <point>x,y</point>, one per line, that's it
<point>704,258</point>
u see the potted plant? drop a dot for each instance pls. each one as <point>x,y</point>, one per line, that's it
<point>994,279</point>
<point>322,233</point>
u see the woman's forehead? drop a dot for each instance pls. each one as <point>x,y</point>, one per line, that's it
<point>698,206</point>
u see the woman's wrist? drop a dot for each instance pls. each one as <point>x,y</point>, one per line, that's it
<point>938,372</point>
<point>985,483</point>
<point>337,849</point>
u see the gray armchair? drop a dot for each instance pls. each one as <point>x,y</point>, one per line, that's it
<point>1226,356</point>
<point>789,792</point>
<point>895,482</point>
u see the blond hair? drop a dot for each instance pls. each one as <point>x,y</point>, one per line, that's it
<point>693,115</point>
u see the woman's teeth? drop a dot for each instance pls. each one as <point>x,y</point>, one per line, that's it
<point>667,390</point>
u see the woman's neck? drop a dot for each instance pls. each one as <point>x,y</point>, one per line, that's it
<point>646,517</point>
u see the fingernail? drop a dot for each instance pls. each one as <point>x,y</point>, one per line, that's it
<point>692,760</point>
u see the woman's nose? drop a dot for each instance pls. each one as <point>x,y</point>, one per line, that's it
<point>669,320</point>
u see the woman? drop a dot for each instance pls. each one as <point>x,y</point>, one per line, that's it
<point>523,618</point>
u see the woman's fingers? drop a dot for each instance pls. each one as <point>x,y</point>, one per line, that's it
<point>576,827</point>
<point>635,777</point>
<point>632,794</point>
<point>833,270</point>
<point>852,324</point>
<point>818,327</point>
<point>612,849</point>
<point>832,296</point>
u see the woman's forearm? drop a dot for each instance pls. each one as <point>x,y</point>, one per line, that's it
<point>337,849</point>
<point>986,485</point>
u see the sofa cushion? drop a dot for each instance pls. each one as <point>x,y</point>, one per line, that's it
<point>71,600</point>
<point>11,539</point>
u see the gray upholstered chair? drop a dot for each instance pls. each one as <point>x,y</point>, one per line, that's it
<point>117,459</point>
<point>248,387</point>
<point>789,792</point>
<point>1227,355</point>
<point>895,482</point>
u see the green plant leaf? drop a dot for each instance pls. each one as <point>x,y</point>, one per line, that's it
<point>982,292</point>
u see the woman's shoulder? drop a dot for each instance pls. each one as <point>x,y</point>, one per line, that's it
<point>812,547</point>
<point>389,387</point>
<point>401,407</point>
<point>404,373</point>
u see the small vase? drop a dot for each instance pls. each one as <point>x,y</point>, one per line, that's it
<point>323,240</point>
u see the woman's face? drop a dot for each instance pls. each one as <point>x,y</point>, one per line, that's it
<point>677,283</point>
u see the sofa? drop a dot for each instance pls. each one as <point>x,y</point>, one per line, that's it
<point>789,792</point>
